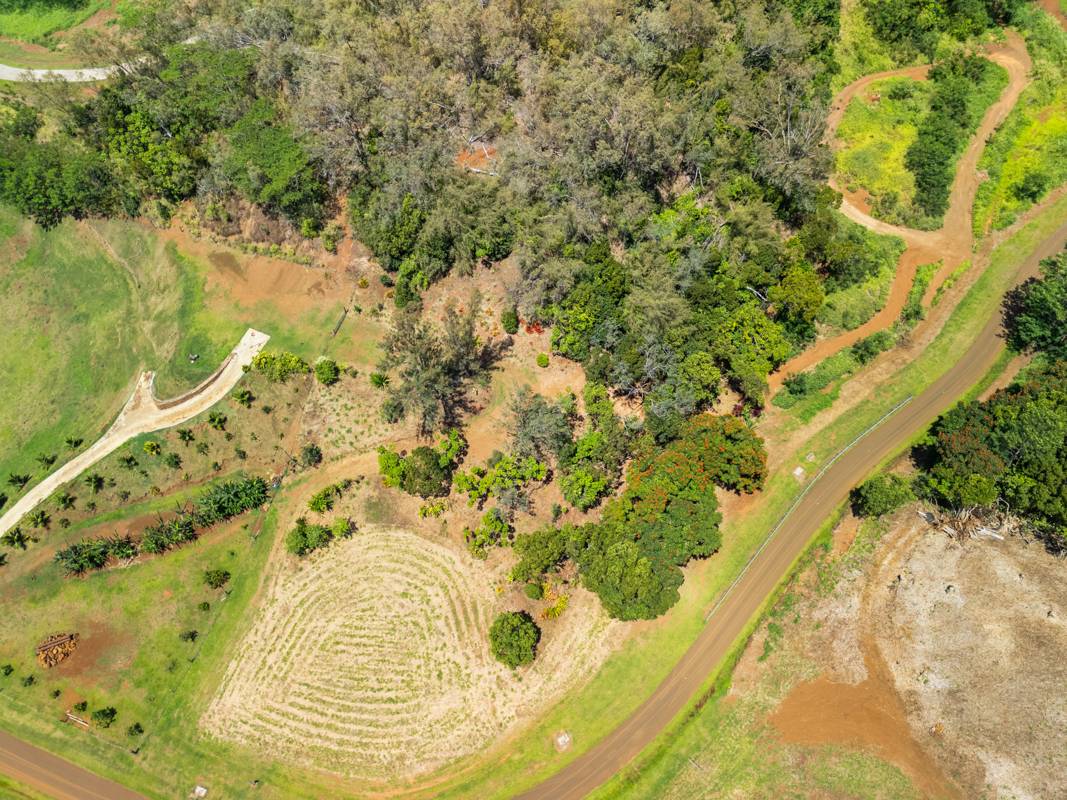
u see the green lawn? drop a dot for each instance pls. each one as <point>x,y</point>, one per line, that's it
<point>1027,156</point>
<point>35,20</point>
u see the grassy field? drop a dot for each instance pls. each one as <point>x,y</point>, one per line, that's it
<point>90,304</point>
<point>1027,156</point>
<point>87,306</point>
<point>10,789</point>
<point>980,302</point>
<point>36,20</point>
<point>875,133</point>
<point>878,128</point>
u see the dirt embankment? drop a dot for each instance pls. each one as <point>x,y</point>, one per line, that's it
<point>945,659</point>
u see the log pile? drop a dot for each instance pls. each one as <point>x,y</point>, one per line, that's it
<point>56,648</point>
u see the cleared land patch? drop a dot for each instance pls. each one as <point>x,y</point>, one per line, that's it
<point>371,659</point>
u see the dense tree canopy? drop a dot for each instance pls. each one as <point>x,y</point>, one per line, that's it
<point>1011,448</point>
<point>1037,311</point>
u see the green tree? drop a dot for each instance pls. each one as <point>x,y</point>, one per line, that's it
<point>513,639</point>
<point>1037,311</point>
<point>104,717</point>
<point>216,578</point>
<point>881,495</point>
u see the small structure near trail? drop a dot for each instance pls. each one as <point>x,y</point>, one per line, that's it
<point>55,648</point>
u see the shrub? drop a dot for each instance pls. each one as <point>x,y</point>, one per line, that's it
<point>534,591</point>
<point>279,366</point>
<point>173,460</point>
<point>1031,186</point>
<point>216,578</point>
<point>81,705</point>
<point>311,455</point>
<point>204,606</point>
<point>504,474</point>
<point>493,531</point>
<point>134,730</point>
<point>866,349</point>
<point>323,500</point>
<point>327,372</point>
<point>582,487</point>
<point>6,670</point>
<point>542,360</point>
<point>152,448</point>
<point>509,320</point>
<point>104,717</point>
<point>305,537</point>
<point>29,680</point>
<point>880,495</point>
<point>379,380</point>
<point>513,638</point>
<point>189,635</point>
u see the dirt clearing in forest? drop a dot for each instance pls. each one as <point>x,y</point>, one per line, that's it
<point>370,659</point>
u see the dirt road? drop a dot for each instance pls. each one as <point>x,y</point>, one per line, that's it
<point>57,778</point>
<point>143,413</point>
<point>952,243</point>
<point>724,626</point>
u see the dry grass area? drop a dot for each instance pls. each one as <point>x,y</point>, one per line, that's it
<point>371,660</point>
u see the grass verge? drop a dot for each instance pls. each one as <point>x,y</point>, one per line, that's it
<point>1027,156</point>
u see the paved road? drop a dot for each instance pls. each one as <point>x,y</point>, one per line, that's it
<point>611,754</point>
<point>55,777</point>
<point>143,413</point>
<point>85,75</point>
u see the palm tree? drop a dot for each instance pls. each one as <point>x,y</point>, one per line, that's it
<point>217,420</point>
<point>128,462</point>
<point>15,538</point>
<point>185,435</point>
<point>46,460</point>
<point>94,481</point>
<point>17,480</point>
<point>152,447</point>
<point>39,518</point>
<point>66,500</point>
<point>73,442</point>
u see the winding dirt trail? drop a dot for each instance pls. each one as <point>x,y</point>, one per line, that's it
<point>953,242</point>
<point>144,413</point>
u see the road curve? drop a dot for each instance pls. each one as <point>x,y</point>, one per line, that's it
<point>143,413</point>
<point>730,617</point>
<point>54,776</point>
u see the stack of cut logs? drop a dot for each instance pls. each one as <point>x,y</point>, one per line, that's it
<point>56,648</point>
